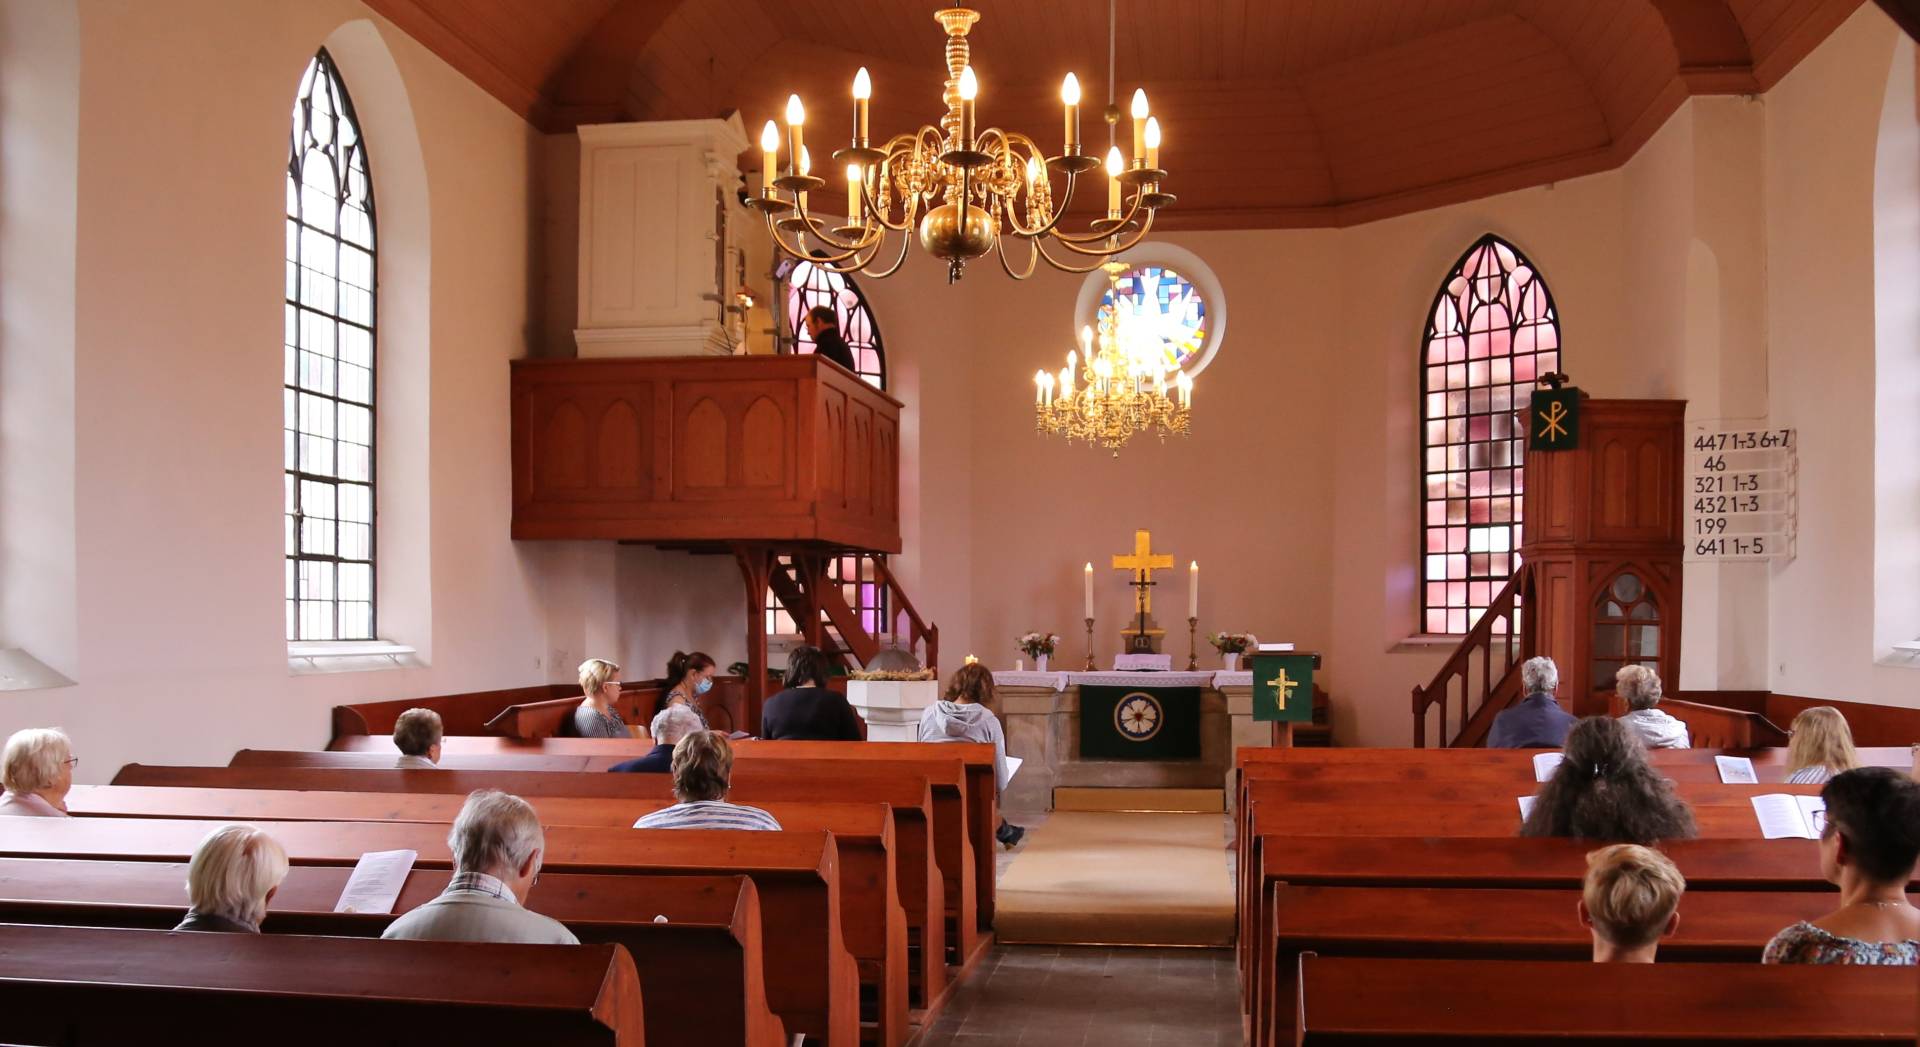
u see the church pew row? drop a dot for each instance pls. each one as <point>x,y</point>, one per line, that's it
<point>863,833</point>
<point>958,839</point>
<point>815,990</point>
<point>1348,1000</point>
<point>921,887</point>
<point>709,949</point>
<point>1429,923</point>
<point>976,759</point>
<point>1496,864</point>
<point>90,985</point>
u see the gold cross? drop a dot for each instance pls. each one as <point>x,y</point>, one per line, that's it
<point>1283,688</point>
<point>1142,563</point>
<point>1550,422</point>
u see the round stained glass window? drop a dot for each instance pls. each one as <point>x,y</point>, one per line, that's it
<point>1160,314</point>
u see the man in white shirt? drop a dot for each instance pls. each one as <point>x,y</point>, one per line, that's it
<point>417,734</point>
<point>497,844</point>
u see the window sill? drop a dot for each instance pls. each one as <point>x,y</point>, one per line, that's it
<point>21,671</point>
<point>1903,656</point>
<point>308,657</point>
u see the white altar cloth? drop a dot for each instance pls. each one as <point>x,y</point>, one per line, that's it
<point>1053,681</point>
<point>1062,681</point>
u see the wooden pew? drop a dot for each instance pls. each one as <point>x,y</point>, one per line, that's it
<point>1503,864</point>
<point>1392,1001</point>
<point>484,745</point>
<point>1427,923</point>
<point>919,839</point>
<point>114,985</point>
<point>955,850</point>
<point>710,948</point>
<point>873,923</point>
<point>815,990</point>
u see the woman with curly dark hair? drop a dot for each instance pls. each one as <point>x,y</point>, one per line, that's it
<point>1605,790</point>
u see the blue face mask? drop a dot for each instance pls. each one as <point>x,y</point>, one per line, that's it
<point>703,687</point>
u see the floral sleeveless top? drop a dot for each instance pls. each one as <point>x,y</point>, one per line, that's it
<point>1805,943</point>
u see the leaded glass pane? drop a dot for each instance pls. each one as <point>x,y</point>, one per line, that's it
<point>331,279</point>
<point>804,286</point>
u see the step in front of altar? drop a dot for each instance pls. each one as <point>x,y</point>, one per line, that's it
<point>1138,774</point>
<point>1141,801</point>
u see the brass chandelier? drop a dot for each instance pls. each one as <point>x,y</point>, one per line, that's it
<point>1109,396</point>
<point>960,190</point>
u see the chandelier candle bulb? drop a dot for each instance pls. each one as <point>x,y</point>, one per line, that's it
<point>1114,166</point>
<point>806,167</point>
<point>1153,143</point>
<point>862,93</point>
<point>853,194</point>
<point>1070,97</point>
<point>769,158</point>
<point>796,116</point>
<point>969,90</point>
<point>1140,126</point>
<point>1193,589</point>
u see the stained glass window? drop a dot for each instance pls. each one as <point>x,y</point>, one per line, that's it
<point>855,576</point>
<point>1491,330</point>
<point>1162,315</point>
<point>805,286</point>
<point>329,384</point>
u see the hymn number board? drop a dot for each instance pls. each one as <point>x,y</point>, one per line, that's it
<point>1741,489</point>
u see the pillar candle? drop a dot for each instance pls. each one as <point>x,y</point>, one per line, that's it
<point>1089,577</point>
<point>1193,589</point>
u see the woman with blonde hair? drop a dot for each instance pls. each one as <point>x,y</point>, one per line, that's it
<point>599,714</point>
<point>1639,687</point>
<point>1819,746</point>
<point>964,715</point>
<point>38,773</point>
<point>234,874</point>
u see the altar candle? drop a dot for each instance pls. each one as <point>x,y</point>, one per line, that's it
<point>1193,589</point>
<point>1089,577</point>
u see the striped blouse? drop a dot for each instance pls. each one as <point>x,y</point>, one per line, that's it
<point>708,814</point>
<point>1818,774</point>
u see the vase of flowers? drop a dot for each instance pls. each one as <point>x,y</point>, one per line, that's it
<point>1038,646</point>
<point>1231,646</point>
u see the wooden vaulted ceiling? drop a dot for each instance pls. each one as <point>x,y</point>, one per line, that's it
<point>1276,112</point>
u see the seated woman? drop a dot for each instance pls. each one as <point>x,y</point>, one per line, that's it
<point>1868,846</point>
<point>38,773</point>
<point>1605,790</point>
<point>964,715</point>
<point>234,874</point>
<point>1819,746</point>
<point>1639,687</point>
<point>1631,899</point>
<point>598,715</point>
<point>806,711</point>
<point>688,677</point>
<point>702,774</point>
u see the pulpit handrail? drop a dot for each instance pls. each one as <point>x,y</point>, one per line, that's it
<point>1502,618</point>
<point>918,629</point>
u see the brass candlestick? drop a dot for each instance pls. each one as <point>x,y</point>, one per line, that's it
<point>1089,645</point>
<point>1193,653</point>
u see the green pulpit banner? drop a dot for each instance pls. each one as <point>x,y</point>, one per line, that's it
<point>1283,687</point>
<point>1139,723</point>
<point>1553,420</point>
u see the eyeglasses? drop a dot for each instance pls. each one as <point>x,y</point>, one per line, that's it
<point>73,761</point>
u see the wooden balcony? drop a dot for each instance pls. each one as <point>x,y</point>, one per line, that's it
<point>705,452</point>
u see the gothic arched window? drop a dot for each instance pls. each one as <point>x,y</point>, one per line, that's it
<point>329,380</point>
<point>1491,330</point>
<point>803,286</point>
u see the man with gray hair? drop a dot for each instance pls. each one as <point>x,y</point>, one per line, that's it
<point>417,734</point>
<point>669,726</point>
<point>497,844</point>
<point>1536,721</point>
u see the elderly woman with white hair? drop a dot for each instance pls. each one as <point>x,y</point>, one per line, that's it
<point>233,876</point>
<point>38,773</point>
<point>669,726</point>
<point>1639,687</point>
<point>497,845</point>
<point>1535,721</point>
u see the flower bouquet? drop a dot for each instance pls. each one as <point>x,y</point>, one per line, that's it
<point>1231,646</point>
<point>1038,646</point>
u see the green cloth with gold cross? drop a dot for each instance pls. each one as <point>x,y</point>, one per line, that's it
<point>1283,687</point>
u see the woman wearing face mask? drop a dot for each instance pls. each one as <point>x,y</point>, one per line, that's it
<point>688,677</point>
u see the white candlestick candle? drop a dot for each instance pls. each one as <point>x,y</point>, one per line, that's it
<point>1089,580</point>
<point>1193,589</point>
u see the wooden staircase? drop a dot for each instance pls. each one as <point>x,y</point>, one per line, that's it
<point>1476,683</point>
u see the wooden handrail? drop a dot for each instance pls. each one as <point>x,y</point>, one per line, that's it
<point>1496,691</point>
<point>918,629</point>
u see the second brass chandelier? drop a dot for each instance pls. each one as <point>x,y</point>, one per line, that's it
<point>961,191</point>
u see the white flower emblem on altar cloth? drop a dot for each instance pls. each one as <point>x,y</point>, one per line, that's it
<point>1137,716</point>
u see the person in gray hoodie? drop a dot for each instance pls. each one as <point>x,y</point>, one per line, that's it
<point>964,715</point>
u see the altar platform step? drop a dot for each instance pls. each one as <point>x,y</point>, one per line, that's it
<point>1148,801</point>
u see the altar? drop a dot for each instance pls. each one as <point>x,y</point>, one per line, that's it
<point>1042,715</point>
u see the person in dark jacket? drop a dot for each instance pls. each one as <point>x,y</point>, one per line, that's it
<point>807,711</point>
<point>669,726</point>
<point>1536,721</point>
<point>823,326</point>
